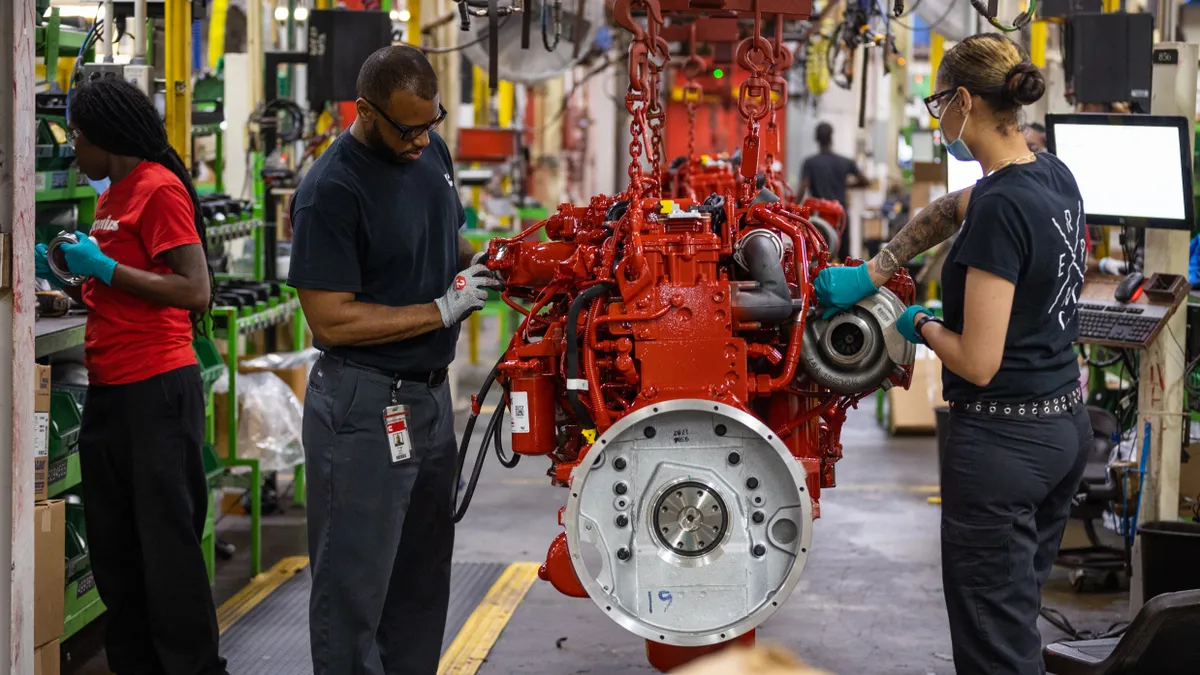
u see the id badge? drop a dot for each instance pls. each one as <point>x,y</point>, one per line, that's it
<point>395,423</point>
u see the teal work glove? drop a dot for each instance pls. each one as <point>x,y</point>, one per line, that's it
<point>906,324</point>
<point>840,288</point>
<point>86,259</point>
<point>41,266</point>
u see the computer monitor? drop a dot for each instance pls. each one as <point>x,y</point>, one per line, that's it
<point>961,175</point>
<point>1133,170</point>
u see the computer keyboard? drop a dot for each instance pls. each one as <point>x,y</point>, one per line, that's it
<point>1133,325</point>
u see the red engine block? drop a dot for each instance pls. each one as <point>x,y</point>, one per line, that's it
<point>628,305</point>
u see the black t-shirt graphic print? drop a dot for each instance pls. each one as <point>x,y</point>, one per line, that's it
<point>1025,223</point>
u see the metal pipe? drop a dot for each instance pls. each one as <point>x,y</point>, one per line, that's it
<point>1166,20</point>
<point>139,32</point>
<point>110,20</point>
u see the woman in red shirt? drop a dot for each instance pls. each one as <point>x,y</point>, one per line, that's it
<point>144,488</point>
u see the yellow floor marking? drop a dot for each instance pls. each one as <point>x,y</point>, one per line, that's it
<point>257,590</point>
<point>483,627</point>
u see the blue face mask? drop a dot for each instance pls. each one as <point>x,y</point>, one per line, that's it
<point>99,185</point>
<point>957,149</point>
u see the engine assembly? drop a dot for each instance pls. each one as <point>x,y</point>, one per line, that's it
<point>673,368</point>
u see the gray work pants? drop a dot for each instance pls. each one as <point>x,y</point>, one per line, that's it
<point>380,535</point>
<point>1007,486</point>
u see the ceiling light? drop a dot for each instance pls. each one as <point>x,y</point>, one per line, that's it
<point>404,15</point>
<point>301,14</point>
<point>281,13</point>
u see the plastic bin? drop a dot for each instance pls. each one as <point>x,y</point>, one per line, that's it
<point>1170,557</point>
<point>77,392</point>
<point>210,361</point>
<point>78,561</point>
<point>65,422</point>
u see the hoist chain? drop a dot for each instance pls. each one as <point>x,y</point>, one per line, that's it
<point>693,93</point>
<point>648,55</point>
<point>780,65</point>
<point>756,54</point>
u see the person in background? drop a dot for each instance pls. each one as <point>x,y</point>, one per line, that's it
<point>1035,137</point>
<point>144,487</point>
<point>827,175</point>
<point>1018,435</point>
<point>378,261</point>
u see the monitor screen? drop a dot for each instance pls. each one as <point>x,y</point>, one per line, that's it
<point>1131,169</point>
<point>961,175</point>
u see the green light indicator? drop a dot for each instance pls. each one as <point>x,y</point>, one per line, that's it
<point>718,73</point>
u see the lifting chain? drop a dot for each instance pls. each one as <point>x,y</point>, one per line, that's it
<point>756,55</point>
<point>780,65</point>
<point>648,55</point>
<point>693,93</point>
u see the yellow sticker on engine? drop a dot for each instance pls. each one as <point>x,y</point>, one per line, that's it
<point>589,435</point>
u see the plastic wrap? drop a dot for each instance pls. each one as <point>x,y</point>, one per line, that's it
<point>269,422</point>
<point>280,360</point>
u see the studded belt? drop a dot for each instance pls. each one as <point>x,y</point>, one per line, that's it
<point>1067,403</point>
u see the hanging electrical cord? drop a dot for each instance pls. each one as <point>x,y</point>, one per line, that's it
<point>491,435</point>
<point>557,17</point>
<point>933,25</point>
<point>1058,620</point>
<point>1023,19</point>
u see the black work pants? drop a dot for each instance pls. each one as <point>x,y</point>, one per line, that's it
<point>1007,486</point>
<point>380,534</point>
<point>145,502</point>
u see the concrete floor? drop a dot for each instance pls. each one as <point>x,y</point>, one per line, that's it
<point>869,600</point>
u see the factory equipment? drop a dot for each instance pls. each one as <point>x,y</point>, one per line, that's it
<point>673,368</point>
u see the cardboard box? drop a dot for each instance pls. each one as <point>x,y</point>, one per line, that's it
<point>1189,479</point>
<point>910,410</point>
<point>49,575</point>
<point>874,229</point>
<point>41,432</point>
<point>296,377</point>
<point>929,172</point>
<point>47,658</point>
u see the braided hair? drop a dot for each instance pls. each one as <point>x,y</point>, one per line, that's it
<point>118,118</point>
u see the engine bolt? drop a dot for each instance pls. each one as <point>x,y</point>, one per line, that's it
<point>734,458</point>
<point>623,553</point>
<point>759,551</point>
<point>752,483</point>
<point>622,520</point>
<point>720,430</point>
<point>650,432</point>
<point>620,488</point>
<point>619,464</point>
<point>758,517</point>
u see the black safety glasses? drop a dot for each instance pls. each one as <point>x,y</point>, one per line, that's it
<point>406,132</point>
<point>934,103</point>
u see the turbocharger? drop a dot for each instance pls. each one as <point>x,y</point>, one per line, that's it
<point>857,349</point>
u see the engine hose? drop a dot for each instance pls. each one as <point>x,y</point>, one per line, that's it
<point>573,383</point>
<point>492,430</point>
<point>506,462</point>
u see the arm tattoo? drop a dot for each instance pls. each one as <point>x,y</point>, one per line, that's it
<point>933,225</point>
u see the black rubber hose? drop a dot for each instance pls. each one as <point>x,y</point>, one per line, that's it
<point>460,509</point>
<point>506,462</point>
<point>581,412</point>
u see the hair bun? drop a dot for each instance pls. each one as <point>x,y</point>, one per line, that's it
<point>1024,83</point>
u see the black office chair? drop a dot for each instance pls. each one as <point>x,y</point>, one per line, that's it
<point>1097,490</point>
<point>1160,641</point>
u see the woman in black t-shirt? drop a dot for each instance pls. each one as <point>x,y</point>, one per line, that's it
<point>1015,444</point>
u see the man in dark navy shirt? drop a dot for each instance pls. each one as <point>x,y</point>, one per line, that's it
<point>826,175</point>
<point>379,264</point>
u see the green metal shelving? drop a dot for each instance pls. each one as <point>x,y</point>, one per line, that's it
<point>234,324</point>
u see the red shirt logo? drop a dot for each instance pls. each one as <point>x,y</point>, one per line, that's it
<point>460,282</point>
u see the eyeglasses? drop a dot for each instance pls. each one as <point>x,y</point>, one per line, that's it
<point>406,132</point>
<point>934,103</point>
